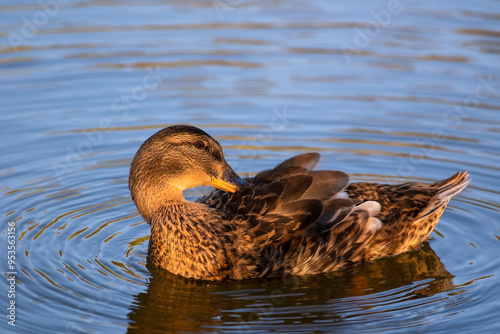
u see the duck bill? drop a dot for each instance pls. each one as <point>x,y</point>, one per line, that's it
<point>228,180</point>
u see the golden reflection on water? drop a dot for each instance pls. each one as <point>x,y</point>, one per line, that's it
<point>411,134</point>
<point>244,41</point>
<point>158,127</point>
<point>49,280</point>
<point>116,274</point>
<point>106,224</point>
<point>29,229</point>
<point>85,211</point>
<point>390,143</point>
<point>478,32</point>
<point>16,60</point>
<point>183,63</point>
<point>136,242</point>
<point>199,26</point>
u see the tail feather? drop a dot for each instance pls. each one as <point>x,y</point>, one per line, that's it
<point>446,189</point>
<point>452,186</point>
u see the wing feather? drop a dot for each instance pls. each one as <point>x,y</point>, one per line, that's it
<point>291,202</point>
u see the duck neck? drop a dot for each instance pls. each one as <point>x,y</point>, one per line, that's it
<point>151,198</point>
<point>187,239</point>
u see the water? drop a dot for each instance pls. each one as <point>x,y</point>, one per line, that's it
<point>386,93</point>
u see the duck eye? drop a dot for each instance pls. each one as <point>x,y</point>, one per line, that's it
<point>199,144</point>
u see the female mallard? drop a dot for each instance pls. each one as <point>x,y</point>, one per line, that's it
<point>289,220</point>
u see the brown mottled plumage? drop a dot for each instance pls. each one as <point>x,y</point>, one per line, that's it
<point>289,220</point>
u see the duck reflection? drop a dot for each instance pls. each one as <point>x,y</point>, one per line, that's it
<point>176,304</point>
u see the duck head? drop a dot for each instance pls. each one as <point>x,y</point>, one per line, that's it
<point>177,158</point>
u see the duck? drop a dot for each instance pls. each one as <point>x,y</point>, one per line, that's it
<point>288,220</point>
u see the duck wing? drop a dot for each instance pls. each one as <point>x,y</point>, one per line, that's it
<point>411,200</point>
<point>290,196</point>
<point>409,213</point>
<point>294,212</point>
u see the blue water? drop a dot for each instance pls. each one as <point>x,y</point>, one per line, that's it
<point>385,92</point>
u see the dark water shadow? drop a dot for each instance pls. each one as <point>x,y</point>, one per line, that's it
<point>175,304</point>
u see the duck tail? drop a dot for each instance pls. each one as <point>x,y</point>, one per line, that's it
<point>446,189</point>
<point>452,186</point>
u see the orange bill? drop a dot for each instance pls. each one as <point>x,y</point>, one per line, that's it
<point>228,180</point>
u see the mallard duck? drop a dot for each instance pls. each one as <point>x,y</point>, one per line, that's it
<point>289,220</point>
